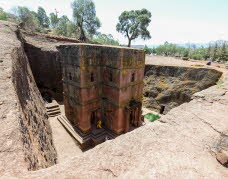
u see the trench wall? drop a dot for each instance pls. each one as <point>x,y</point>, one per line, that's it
<point>169,86</point>
<point>36,134</point>
<point>47,70</point>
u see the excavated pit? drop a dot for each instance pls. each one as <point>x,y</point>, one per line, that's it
<point>177,146</point>
<point>47,71</point>
<point>167,87</point>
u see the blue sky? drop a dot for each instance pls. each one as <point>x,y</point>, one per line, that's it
<point>177,21</point>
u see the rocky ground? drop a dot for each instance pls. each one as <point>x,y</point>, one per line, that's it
<point>190,141</point>
<point>65,145</point>
<point>11,147</point>
<point>166,86</point>
<point>182,144</point>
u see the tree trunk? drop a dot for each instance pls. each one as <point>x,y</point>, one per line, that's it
<point>82,35</point>
<point>129,42</point>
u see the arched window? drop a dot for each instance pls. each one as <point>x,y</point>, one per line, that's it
<point>110,76</point>
<point>133,77</point>
<point>91,77</point>
<point>70,76</point>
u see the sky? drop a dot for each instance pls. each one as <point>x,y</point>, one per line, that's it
<point>175,21</point>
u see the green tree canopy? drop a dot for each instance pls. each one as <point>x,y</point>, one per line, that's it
<point>3,15</point>
<point>84,15</point>
<point>106,39</point>
<point>62,26</point>
<point>25,17</point>
<point>148,50</point>
<point>42,17</point>
<point>215,50</point>
<point>54,19</point>
<point>134,24</point>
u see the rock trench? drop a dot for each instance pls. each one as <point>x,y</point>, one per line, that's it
<point>166,87</point>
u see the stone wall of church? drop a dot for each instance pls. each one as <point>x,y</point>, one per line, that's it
<point>108,78</point>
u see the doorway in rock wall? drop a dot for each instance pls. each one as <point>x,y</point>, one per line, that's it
<point>162,109</point>
<point>93,118</point>
<point>131,117</point>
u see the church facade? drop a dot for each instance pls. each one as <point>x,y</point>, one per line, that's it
<point>103,84</point>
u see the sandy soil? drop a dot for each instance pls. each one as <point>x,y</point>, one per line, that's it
<point>65,145</point>
<point>171,61</point>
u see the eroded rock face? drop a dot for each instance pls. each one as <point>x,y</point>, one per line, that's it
<point>45,63</point>
<point>25,137</point>
<point>47,70</point>
<point>33,122</point>
<point>176,146</point>
<point>167,87</point>
<point>179,145</point>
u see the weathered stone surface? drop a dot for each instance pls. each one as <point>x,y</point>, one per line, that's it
<point>45,62</point>
<point>170,86</point>
<point>102,83</point>
<point>179,145</point>
<point>25,137</point>
<point>222,157</point>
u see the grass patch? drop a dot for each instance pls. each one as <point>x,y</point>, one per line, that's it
<point>152,117</point>
<point>3,16</point>
<point>220,82</point>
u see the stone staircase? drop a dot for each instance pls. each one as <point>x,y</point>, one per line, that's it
<point>53,109</point>
<point>93,137</point>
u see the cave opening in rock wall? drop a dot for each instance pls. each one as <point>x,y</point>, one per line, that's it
<point>162,109</point>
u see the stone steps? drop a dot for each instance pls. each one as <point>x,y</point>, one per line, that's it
<point>49,106</point>
<point>53,109</point>
<point>95,136</point>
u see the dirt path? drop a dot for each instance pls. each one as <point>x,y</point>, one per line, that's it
<point>65,145</point>
<point>171,61</point>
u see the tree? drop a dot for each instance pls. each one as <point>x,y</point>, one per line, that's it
<point>42,17</point>
<point>208,53</point>
<point>3,15</point>
<point>54,19</point>
<point>215,52</point>
<point>106,39</point>
<point>148,50</point>
<point>25,17</point>
<point>134,24</point>
<point>224,52</point>
<point>84,15</point>
<point>72,30</point>
<point>62,26</point>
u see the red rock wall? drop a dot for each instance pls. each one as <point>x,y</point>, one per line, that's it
<point>47,70</point>
<point>100,78</point>
<point>34,126</point>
